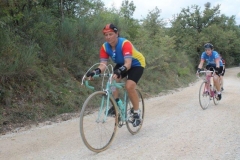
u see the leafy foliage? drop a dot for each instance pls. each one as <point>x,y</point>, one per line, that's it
<point>192,28</point>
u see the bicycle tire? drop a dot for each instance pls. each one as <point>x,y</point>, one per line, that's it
<point>96,133</point>
<point>204,99</point>
<point>131,129</point>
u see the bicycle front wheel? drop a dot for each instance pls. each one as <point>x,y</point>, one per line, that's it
<point>129,113</point>
<point>96,128</point>
<point>204,97</point>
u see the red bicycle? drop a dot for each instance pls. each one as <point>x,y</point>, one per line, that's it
<point>207,91</point>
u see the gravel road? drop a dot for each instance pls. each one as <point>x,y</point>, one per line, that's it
<point>175,127</point>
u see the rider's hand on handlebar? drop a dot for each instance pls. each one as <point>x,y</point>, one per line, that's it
<point>198,71</point>
<point>94,72</point>
<point>120,71</point>
<point>90,74</point>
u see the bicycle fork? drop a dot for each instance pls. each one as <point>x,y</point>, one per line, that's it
<point>102,107</point>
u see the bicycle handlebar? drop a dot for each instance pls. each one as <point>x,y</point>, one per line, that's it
<point>107,73</point>
<point>208,71</point>
<point>95,76</point>
<point>205,71</point>
<point>88,86</point>
<point>114,83</point>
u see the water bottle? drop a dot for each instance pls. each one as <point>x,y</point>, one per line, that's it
<point>120,103</point>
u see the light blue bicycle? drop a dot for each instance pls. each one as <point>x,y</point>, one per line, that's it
<point>97,128</point>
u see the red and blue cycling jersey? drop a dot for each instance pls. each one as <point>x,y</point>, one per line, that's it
<point>223,61</point>
<point>211,59</point>
<point>124,49</point>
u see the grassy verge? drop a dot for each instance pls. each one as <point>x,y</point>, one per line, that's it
<point>57,91</point>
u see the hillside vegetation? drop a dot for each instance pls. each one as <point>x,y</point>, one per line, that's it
<point>47,46</point>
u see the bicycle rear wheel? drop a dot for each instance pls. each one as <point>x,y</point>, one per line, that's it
<point>96,129</point>
<point>204,97</point>
<point>129,113</point>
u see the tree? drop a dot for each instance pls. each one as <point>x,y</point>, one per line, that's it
<point>126,11</point>
<point>153,22</point>
<point>193,27</point>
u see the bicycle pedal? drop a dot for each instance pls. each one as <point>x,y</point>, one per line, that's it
<point>130,121</point>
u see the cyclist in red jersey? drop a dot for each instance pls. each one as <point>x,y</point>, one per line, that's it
<point>130,63</point>
<point>223,72</point>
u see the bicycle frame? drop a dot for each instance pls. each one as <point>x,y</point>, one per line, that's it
<point>208,79</point>
<point>110,83</point>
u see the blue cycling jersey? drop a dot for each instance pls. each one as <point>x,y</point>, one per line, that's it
<point>211,59</point>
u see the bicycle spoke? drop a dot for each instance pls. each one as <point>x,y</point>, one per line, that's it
<point>131,129</point>
<point>204,98</point>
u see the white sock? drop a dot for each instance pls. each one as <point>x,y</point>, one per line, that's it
<point>136,111</point>
<point>219,92</point>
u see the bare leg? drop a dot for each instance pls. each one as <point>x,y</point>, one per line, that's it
<point>221,80</point>
<point>217,82</point>
<point>207,85</point>
<point>132,93</point>
<point>116,93</point>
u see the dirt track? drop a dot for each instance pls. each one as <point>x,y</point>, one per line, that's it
<point>175,127</point>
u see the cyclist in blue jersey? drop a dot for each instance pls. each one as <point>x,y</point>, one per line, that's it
<point>213,61</point>
<point>130,63</point>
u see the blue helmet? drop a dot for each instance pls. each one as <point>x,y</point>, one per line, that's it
<point>208,45</point>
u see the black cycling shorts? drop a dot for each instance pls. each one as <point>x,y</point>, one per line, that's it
<point>209,67</point>
<point>134,73</point>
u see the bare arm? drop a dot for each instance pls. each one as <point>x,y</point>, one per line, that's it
<point>201,63</point>
<point>102,66</point>
<point>128,63</point>
<point>217,61</point>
